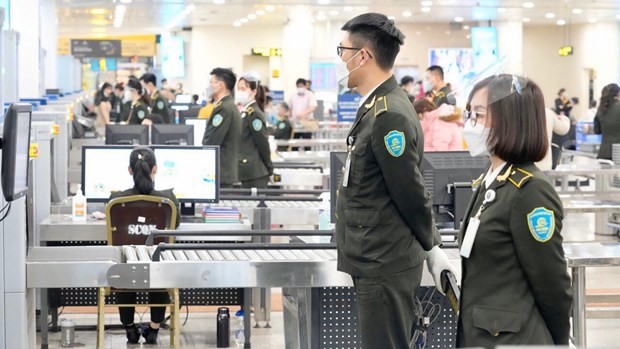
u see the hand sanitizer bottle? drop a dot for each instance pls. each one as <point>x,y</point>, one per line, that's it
<point>79,206</point>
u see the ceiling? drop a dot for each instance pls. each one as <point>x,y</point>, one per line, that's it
<point>106,17</point>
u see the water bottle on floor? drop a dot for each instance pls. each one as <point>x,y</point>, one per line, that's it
<point>239,329</point>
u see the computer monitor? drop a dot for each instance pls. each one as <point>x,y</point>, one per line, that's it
<point>127,134</point>
<point>444,173</point>
<point>172,134</point>
<point>336,163</point>
<point>193,172</point>
<point>16,151</point>
<point>105,169</point>
<point>183,99</point>
<point>189,113</point>
<point>199,129</point>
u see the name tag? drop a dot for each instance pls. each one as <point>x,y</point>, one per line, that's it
<point>470,236</point>
<point>347,168</point>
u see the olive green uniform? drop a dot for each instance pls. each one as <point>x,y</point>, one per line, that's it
<point>515,285</point>
<point>255,165</point>
<point>224,129</point>
<point>138,112</point>
<point>283,130</point>
<point>608,124</point>
<point>384,219</point>
<point>159,106</point>
<point>441,96</point>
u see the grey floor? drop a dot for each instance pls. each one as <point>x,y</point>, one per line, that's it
<point>199,332</point>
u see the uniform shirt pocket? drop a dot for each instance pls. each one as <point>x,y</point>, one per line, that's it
<point>359,224</point>
<point>496,321</point>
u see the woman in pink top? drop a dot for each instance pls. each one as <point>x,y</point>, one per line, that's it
<point>439,135</point>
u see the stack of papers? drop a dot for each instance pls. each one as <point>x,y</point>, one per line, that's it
<point>221,215</point>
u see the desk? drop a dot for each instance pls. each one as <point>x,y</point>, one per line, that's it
<point>61,228</point>
<point>580,256</point>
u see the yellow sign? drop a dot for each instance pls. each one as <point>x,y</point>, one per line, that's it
<point>34,150</point>
<point>275,73</point>
<point>565,51</point>
<point>267,52</point>
<point>64,46</point>
<point>55,129</point>
<point>142,48</point>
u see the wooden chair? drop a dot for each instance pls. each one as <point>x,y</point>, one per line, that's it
<point>123,215</point>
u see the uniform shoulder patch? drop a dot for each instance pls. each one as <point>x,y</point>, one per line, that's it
<point>281,125</point>
<point>541,222</point>
<point>395,143</point>
<point>519,177</point>
<point>250,110</point>
<point>217,120</point>
<point>141,114</point>
<point>160,105</point>
<point>381,106</point>
<point>257,125</point>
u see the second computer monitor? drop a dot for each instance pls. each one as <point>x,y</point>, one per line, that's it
<point>172,135</point>
<point>127,134</point>
<point>199,128</point>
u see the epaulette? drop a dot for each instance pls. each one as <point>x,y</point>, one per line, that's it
<point>381,106</point>
<point>519,177</point>
<point>156,94</point>
<point>217,104</point>
<point>250,110</point>
<point>137,104</point>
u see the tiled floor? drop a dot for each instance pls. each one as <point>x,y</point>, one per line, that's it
<point>199,332</point>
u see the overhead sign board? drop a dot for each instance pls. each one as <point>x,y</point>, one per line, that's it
<point>95,48</point>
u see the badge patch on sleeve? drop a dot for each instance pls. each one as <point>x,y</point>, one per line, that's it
<point>257,125</point>
<point>282,126</point>
<point>217,120</point>
<point>541,222</point>
<point>395,143</point>
<point>160,105</point>
<point>141,114</point>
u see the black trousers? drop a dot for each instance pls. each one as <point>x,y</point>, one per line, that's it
<point>158,314</point>
<point>385,307</point>
<point>302,135</point>
<point>259,183</point>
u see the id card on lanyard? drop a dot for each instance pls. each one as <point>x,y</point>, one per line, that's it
<point>473,225</point>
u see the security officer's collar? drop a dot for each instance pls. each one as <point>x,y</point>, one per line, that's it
<point>369,104</point>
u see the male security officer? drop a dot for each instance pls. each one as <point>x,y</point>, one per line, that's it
<point>224,125</point>
<point>385,228</point>
<point>158,103</point>
<point>435,85</point>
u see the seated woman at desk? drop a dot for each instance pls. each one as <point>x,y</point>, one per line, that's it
<point>143,167</point>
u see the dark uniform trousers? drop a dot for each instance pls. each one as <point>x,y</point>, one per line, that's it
<point>387,300</point>
<point>158,314</point>
<point>259,183</point>
<point>384,221</point>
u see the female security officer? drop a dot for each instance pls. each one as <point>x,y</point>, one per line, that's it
<point>516,289</point>
<point>139,103</point>
<point>255,165</point>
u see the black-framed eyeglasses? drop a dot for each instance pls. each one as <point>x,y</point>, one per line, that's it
<point>339,49</point>
<point>472,116</point>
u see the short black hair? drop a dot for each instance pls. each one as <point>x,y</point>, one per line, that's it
<point>406,80</point>
<point>378,32</point>
<point>562,90</point>
<point>518,118</point>
<point>300,81</point>
<point>195,98</point>
<point>148,77</point>
<point>226,76</point>
<point>285,106</point>
<point>268,99</point>
<point>164,80</point>
<point>119,86</point>
<point>436,69</point>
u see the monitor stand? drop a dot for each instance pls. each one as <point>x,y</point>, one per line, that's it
<point>188,209</point>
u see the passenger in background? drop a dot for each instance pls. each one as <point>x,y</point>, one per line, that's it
<point>283,128</point>
<point>271,111</point>
<point>195,99</point>
<point>143,167</point>
<point>103,107</point>
<point>179,90</point>
<point>255,164</point>
<point>158,105</point>
<point>435,87</point>
<point>563,105</point>
<point>607,120</point>
<point>166,91</point>
<point>139,103</point>
<point>555,124</point>
<point>439,135</point>
<point>407,84</point>
<point>117,101</point>
<point>224,126</point>
<point>590,113</point>
<point>516,289</point>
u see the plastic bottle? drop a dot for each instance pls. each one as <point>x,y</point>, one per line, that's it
<point>325,216</point>
<point>239,329</point>
<point>79,206</point>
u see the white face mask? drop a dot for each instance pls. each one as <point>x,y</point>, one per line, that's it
<point>242,97</point>
<point>342,72</point>
<point>427,85</point>
<point>301,91</point>
<point>476,138</point>
<point>126,96</point>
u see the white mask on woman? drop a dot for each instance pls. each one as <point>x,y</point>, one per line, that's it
<point>242,97</point>
<point>476,138</point>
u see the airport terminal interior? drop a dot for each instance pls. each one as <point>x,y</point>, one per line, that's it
<point>227,173</point>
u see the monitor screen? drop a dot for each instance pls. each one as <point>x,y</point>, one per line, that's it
<point>172,134</point>
<point>105,169</point>
<point>183,99</point>
<point>15,151</point>
<point>193,172</point>
<point>336,163</point>
<point>199,129</point>
<point>127,134</point>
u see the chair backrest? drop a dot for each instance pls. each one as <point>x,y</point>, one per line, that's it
<point>130,219</point>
